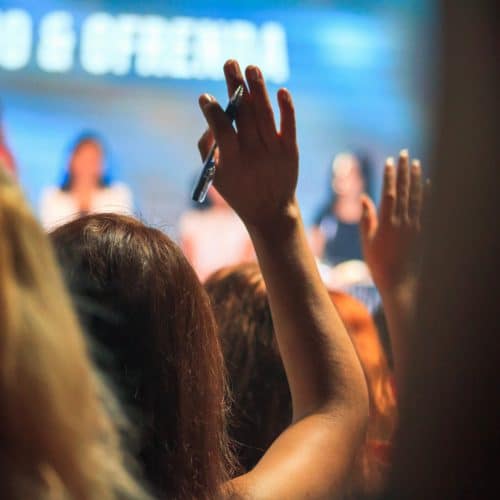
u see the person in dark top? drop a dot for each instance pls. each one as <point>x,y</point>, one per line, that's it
<point>335,233</point>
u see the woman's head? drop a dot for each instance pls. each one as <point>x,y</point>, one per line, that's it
<point>347,177</point>
<point>54,434</point>
<point>261,406</point>
<point>145,308</point>
<point>350,176</point>
<point>86,163</point>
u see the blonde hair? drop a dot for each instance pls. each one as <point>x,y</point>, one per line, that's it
<point>57,441</point>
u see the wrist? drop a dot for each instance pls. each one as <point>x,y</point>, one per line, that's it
<point>278,225</point>
<point>400,296</point>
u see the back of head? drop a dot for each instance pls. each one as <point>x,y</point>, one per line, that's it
<point>145,308</point>
<point>262,403</point>
<point>56,439</point>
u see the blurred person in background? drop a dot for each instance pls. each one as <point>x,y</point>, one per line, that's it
<point>6,157</point>
<point>261,401</point>
<point>212,236</point>
<point>373,463</point>
<point>56,437</point>
<point>87,186</point>
<point>335,233</point>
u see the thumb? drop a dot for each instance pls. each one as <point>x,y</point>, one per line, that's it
<point>369,220</point>
<point>220,124</point>
<point>205,143</point>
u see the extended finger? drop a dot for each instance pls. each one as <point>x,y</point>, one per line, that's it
<point>287,126</point>
<point>416,193</point>
<point>263,111</point>
<point>388,201</point>
<point>369,221</point>
<point>403,186</point>
<point>245,119</point>
<point>220,125</point>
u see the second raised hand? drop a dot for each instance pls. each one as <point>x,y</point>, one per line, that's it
<point>389,239</point>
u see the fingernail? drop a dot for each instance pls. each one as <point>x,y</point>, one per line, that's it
<point>415,164</point>
<point>403,153</point>
<point>283,93</point>
<point>390,161</point>
<point>253,73</point>
<point>205,99</point>
<point>231,67</point>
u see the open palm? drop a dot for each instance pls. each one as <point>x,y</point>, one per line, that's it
<point>389,238</point>
<point>256,165</point>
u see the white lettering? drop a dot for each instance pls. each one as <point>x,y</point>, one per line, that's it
<point>149,46</point>
<point>16,38</point>
<point>240,42</point>
<point>107,43</point>
<point>274,53</point>
<point>207,52</point>
<point>151,50</point>
<point>55,51</point>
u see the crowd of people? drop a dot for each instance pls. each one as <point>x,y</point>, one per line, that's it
<point>123,376</point>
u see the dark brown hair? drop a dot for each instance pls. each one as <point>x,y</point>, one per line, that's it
<point>142,302</point>
<point>261,406</point>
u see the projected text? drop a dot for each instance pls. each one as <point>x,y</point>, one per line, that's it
<point>144,46</point>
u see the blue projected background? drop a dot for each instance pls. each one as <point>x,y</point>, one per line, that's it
<point>359,72</point>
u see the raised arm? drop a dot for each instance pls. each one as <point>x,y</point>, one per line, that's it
<point>390,248</point>
<point>257,174</point>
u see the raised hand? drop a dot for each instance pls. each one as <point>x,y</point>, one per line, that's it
<point>389,239</point>
<point>257,165</point>
<point>257,170</point>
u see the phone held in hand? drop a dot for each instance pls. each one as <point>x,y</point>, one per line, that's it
<point>208,170</point>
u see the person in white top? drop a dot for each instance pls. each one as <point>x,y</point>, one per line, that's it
<point>86,187</point>
<point>214,237</point>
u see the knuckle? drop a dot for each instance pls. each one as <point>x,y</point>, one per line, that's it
<point>389,197</point>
